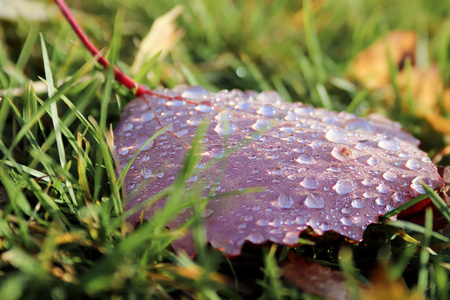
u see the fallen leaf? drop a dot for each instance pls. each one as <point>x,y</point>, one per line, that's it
<point>371,66</point>
<point>162,36</point>
<point>314,278</point>
<point>14,10</point>
<point>383,287</point>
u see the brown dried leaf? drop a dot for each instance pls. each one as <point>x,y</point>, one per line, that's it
<point>162,37</point>
<point>371,66</point>
<point>383,287</point>
<point>314,278</point>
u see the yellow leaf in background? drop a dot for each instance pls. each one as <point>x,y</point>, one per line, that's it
<point>163,35</point>
<point>425,86</point>
<point>28,10</point>
<point>383,287</point>
<point>371,66</point>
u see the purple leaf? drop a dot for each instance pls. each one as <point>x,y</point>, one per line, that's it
<point>323,169</point>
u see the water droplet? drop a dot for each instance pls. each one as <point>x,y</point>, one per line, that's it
<point>128,127</point>
<point>291,238</point>
<point>346,210</point>
<point>383,188</point>
<point>287,129</point>
<point>175,103</point>
<point>146,173</point>
<point>413,164</point>
<point>300,220</point>
<point>147,116</point>
<point>243,105</point>
<point>193,178</point>
<point>267,111</point>
<point>262,222</point>
<point>269,96</point>
<point>261,124</point>
<point>310,183</point>
<point>390,144</point>
<point>182,132</point>
<point>369,194</point>
<point>217,152</point>
<point>242,226</point>
<point>226,128</point>
<point>291,177</point>
<point>247,218</point>
<point>336,135</point>
<point>305,159</point>
<point>124,151</point>
<point>347,221</point>
<point>207,212</point>
<point>380,201</point>
<point>344,186</point>
<point>373,161</point>
<point>276,172</point>
<point>358,203</point>
<point>304,110</point>
<point>195,92</point>
<point>204,108</point>
<point>361,146</point>
<point>285,201</point>
<point>390,176</point>
<point>342,153</point>
<point>314,201</point>
<point>194,121</point>
<point>404,155</point>
<point>315,144</point>
<point>160,175</point>
<point>400,197</point>
<point>358,125</point>
<point>367,182</point>
<point>417,185</point>
<point>291,116</point>
<point>255,238</point>
<point>426,159</point>
<point>276,223</point>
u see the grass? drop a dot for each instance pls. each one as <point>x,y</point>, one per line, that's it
<point>62,234</point>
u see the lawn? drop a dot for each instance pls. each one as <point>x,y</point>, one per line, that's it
<point>63,233</point>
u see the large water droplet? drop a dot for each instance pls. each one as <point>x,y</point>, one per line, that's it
<point>358,203</point>
<point>358,125</point>
<point>417,185</point>
<point>146,173</point>
<point>261,124</point>
<point>400,197</point>
<point>195,92</point>
<point>383,188</point>
<point>226,128</point>
<point>291,116</point>
<point>287,129</point>
<point>336,135</point>
<point>194,121</point>
<point>305,159</point>
<point>182,132</point>
<point>390,176</point>
<point>290,238</point>
<point>255,238</point>
<point>310,183</point>
<point>176,103</point>
<point>304,110</point>
<point>204,108</point>
<point>242,105</point>
<point>390,144</point>
<point>276,223</point>
<point>413,164</point>
<point>342,153</point>
<point>267,111</point>
<point>269,96</point>
<point>262,222</point>
<point>347,221</point>
<point>373,161</point>
<point>217,152</point>
<point>314,201</point>
<point>344,186</point>
<point>380,201</point>
<point>128,127</point>
<point>147,116</point>
<point>285,201</point>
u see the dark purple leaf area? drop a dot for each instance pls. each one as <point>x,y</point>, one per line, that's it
<point>317,168</point>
